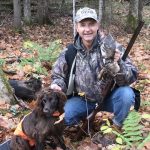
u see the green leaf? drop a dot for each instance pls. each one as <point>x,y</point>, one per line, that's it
<point>136,128</point>
<point>132,122</point>
<point>137,133</point>
<point>119,140</point>
<point>141,145</point>
<point>107,122</point>
<point>135,138</point>
<point>116,147</point>
<point>104,128</point>
<point>109,130</point>
<point>28,44</point>
<point>146,116</point>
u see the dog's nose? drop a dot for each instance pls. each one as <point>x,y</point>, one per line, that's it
<point>45,110</point>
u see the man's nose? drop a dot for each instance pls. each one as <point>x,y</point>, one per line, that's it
<point>87,28</point>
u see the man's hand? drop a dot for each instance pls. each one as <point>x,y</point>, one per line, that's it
<point>117,55</point>
<point>55,87</point>
<point>113,67</point>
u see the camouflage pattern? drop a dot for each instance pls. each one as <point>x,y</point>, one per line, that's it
<point>88,66</point>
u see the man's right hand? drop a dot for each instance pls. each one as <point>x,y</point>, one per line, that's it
<point>55,87</point>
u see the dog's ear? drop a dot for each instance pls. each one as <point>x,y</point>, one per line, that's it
<point>40,96</point>
<point>62,99</point>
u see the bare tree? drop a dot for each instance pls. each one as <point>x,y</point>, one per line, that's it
<point>101,2</point>
<point>105,8</point>
<point>17,13</point>
<point>42,11</point>
<point>135,15</point>
<point>62,7</point>
<point>27,11</point>
<point>73,12</point>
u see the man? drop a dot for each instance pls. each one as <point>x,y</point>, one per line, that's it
<point>90,60</point>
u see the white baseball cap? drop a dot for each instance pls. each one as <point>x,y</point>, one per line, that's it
<point>84,13</point>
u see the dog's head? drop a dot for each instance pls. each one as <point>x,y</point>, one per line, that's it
<point>34,84</point>
<point>50,101</point>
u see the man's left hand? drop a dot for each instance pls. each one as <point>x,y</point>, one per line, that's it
<point>117,55</point>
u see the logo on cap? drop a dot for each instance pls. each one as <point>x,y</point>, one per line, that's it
<point>84,13</point>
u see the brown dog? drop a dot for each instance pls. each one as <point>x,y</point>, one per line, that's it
<point>41,123</point>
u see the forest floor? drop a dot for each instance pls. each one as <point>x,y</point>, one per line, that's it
<point>11,46</point>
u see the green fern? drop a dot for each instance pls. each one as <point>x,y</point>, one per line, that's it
<point>132,128</point>
<point>132,135</point>
<point>140,146</point>
<point>41,54</point>
<point>2,61</point>
<point>49,53</point>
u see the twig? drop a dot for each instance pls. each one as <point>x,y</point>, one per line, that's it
<point>21,103</point>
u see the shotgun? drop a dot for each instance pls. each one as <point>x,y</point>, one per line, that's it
<point>91,117</point>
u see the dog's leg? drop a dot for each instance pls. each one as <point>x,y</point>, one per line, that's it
<point>62,142</point>
<point>39,146</point>
<point>39,142</point>
<point>18,143</point>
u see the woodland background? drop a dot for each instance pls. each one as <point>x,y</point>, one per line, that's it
<point>30,28</point>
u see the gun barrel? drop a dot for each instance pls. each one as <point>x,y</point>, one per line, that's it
<point>134,36</point>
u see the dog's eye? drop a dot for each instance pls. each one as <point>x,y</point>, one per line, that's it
<point>44,100</point>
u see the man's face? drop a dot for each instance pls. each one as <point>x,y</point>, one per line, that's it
<point>87,29</point>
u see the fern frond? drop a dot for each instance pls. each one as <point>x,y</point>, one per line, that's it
<point>129,128</point>
<point>147,139</point>
<point>131,124</point>
<point>135,138</point>
<point>133,133</point>
<point>41,54</point>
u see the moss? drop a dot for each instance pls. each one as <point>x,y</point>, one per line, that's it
<point>7,85</point>
<point>131,23</point>
<point>27,22</point>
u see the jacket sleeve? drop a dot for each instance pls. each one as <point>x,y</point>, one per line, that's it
<point>128,72</point>
<point>59,71</point>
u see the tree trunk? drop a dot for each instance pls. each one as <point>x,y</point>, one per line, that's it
<point>42,12</point>
<point>6,92</point>
<point>27,11</point>
<point>73,12</point>
<point>17,13</point>
<point>140,10</point>
<point>134,16</point>
<point>62,8</point>
<point>101,5</point>
<point>106,14</point>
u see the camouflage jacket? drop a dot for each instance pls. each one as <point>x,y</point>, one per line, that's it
<point>88,67</point>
